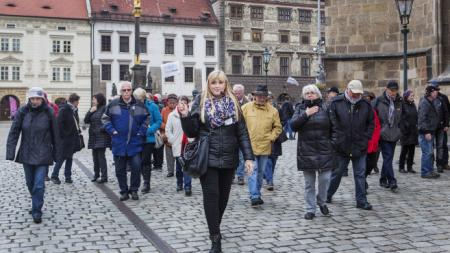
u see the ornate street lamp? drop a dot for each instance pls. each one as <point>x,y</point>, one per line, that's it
<point>138,79</point>
<point>319,50</point>
<point>404,8</point>
<point>266,59</point>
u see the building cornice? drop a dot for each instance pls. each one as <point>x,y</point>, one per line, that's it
<point>271,2</point>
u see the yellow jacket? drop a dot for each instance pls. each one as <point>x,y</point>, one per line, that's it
<point>263,124</point>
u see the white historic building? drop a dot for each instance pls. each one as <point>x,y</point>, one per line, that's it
<point>37,49</point>
<point>176,37</point>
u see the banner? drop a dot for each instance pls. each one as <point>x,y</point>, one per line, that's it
<point>170,69</point>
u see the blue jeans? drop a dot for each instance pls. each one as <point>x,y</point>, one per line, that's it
<point>359,170</point>
<point>270,169</point>
<point>121,172</point>
<point>240,171</point>
<point>182,177</point>
<point>255,180</point>
<point>35,176</point>
<point>387,171</point>
<point>67,168</point>
<point>288,129</point>
<point>426,166</point>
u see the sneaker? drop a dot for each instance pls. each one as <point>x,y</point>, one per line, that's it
<point>324,210</point>
<point>170,174</point>
<point>435,175</point>
<point>124,197</point>
<point>394,188</point>
<point>257,202</point>
<point>134,196</point>
<point>94,179</point>
<point>412,171</point>
<point>37,220</point>
<point>309,216</point>
<point>270,187</point>
<point>241,181</point>
<point>384,184</point>
<point>103,180</point>
<point>68,180</point>
<point>55,180</point>
<point>146,188</point>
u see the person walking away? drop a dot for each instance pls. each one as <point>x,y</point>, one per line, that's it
<point>69,132</point>
<point>215,113</point>
<point>287,111</point>
<point>352,117</point>
<point>315,154</point>
<point>36,127</point>
<point>174,133</point>
<point>410,133</point>
<point>126,120</point>
<point>429,120</point>
<point>99,139</point>
<point>172,101</point>
<point>239,92</point>
<point>264,127</point>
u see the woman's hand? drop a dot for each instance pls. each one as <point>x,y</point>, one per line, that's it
<point>93,109</point>
<point>249,167</point>
<point>312,110</point>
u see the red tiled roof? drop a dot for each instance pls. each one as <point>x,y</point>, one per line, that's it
<point>67,9</point>
<point>187,11</point>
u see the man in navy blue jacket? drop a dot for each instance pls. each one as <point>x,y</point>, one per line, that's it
<point>126,120</point>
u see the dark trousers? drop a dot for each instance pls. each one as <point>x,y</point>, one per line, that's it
<point>67,168</point>
<point>100,166</point>
<point>34,176</point>
<point>147,162</point>
<point>121,172</point>
<point>158,157</point>
<point>387,171</point>
<point>216,186</point>
<point>441,148</point>
<point>407,156</point>
<point>371,162</point>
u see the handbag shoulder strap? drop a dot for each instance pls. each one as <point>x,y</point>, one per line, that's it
<point>76,123</point>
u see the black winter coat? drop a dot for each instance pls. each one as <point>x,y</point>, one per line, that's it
<point>354,126</point>
<point>39,136</point>
<point>286,112</point>
<point>98,137</point>
<point>224,141</point>
<point>409,124</point>
<point>315,135</point>
<point>68,131</point>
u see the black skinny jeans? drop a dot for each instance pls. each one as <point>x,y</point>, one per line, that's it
<point>371,162</point>
<point>100,166</point>
<point>147,162</point>
<point>407,155</point>
<point>216,186</point>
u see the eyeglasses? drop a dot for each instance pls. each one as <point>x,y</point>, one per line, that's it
<point>126,90</point>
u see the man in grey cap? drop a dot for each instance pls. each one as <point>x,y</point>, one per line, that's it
<point>352,118</point>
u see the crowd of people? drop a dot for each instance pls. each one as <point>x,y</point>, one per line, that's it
<point>245,135</point>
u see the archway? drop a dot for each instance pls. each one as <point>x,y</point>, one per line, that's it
<point>9,105</point>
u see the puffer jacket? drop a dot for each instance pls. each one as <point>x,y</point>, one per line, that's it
<point>39,144</point>
<point>354,126</point>
<point>428,116</point>
<point>264,126</point>
<point>98,137</point>
<point>224,141</point>
<point>155,120</point>
<point>130,121</point>
<point>409,126</point>
<point>314,149</point>
<point>389,131</point>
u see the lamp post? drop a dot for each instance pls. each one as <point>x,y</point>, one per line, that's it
<point>404,8</point>
<point>319,50</point>
<point>138,79</point>
<point>266,59</point>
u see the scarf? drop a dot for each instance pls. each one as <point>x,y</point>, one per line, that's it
<point>350,99</point>
<point>391,111</point>
<point>312,103</point>
<point>220,110</point>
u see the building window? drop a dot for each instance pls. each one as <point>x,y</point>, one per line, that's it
<point>257,65</point>
<point>208,71</point>
<point>106,72</point>
<point>169,46</point>
<point>5,44</point>
<point>106,43</point>
<point>66,74</point>
<point>188,47</point>
<point>16,45</point>
<point>304,38</point>
<point>16,73</point>
<point>56,74</point>
<point>170,79</point>
<point>11,26</point>
<point>67,46</point>
<point>284,37</point>
<point>256,36</point>
<point>189,74</point>
<point>210,48</point>
<point>123,72</point>
<point>143,44</point>
<point>61,28</point>
<point>284,66</point>
<point>237,35</point>
<point>284,14</point>
<point>257,13</point>
<point>4,71</point>
<point>323,19</point>
<point>236,11</point>
<point>305,16</point>
<point>305,63</point>
<point>124,46</point>
<point>236,62</point>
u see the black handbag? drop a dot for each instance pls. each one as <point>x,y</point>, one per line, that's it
<point>195,157</point>
<point>80,135</point>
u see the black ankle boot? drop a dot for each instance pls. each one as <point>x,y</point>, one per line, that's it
<point>216,245</point>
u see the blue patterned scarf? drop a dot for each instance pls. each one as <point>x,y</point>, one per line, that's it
<point>224,109</point>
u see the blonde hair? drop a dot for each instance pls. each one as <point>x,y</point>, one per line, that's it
<point>140,94</point>
<point>207,94</point>
<point>311,88</point>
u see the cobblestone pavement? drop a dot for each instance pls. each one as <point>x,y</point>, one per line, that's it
<point>80,217</point>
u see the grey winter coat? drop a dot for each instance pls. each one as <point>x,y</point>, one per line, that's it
<point>429,120</point>
<point>390,131</point>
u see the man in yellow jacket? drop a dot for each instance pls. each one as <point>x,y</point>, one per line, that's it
<point>263,124</point>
